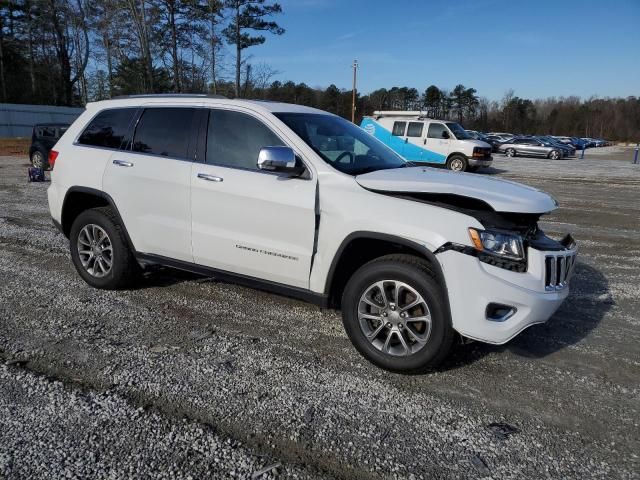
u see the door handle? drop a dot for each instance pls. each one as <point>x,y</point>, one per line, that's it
<point>210,178</point>
<point>122,163</point>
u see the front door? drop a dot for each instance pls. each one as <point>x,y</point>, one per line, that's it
<point>249,221</point>
<point>438,142</point>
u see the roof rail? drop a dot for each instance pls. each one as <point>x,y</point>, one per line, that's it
<point>169,95</point>
<point>417,114</point>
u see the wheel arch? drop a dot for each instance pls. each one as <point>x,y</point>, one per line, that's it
<point>361,247</point>
<point>457,154</point>
<point>79,199</point>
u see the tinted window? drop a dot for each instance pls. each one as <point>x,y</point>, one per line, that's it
<point>108,128</point>
<point>415,129</point>
<point>48,132</point>
<point>436,130</point>
<point>234,139</point>
<point>398,128</point>
<point>164,131</point>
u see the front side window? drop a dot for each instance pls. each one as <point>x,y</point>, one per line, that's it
<point>108,129</point>
<point>436,130</point>
<point>341,144</point>
<point>164,131</point>
<point>415,129</point>
<point>459,132</point>
<point>235,139</point>
<point>398,129</point>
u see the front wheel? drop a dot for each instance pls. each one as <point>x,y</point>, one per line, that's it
<point>457,163</point>
<point>100,252</point>
<point>394,313</point>
<point>510,152</point>
<point>554,155</point>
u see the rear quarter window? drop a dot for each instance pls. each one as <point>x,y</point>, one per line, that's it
<point>108,129</point>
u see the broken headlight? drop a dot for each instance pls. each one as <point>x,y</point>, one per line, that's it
<point>503,244</point>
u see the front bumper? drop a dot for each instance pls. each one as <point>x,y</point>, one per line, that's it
<point>473,285</point>
<point>480,162</point>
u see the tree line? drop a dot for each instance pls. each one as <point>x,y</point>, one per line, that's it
<point>70,52</point>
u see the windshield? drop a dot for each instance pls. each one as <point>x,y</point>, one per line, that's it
<point>458,131</point>
<point>343,145</point>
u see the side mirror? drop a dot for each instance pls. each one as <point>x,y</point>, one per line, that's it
<point>445,134</point>
<point>279,159</point>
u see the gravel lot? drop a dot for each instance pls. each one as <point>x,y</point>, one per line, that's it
<point>187,377</point>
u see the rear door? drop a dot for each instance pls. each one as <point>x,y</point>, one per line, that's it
<point>150,181</point>
<point>415,140</point>
<point>438,142</point>
<point>249,221</point>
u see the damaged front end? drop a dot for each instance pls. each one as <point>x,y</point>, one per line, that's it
<point>506,236</point>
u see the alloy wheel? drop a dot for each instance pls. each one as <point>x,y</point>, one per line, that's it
<point>510,152</point>
<point>95,250</point>
<point>394,317</point>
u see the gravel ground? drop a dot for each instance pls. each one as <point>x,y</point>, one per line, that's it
<point>169,377</point>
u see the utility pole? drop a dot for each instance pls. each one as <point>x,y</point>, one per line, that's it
<point>353,96</point>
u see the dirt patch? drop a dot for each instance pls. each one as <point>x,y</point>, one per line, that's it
<point>14,146</point>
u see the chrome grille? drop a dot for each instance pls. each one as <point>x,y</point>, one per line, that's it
<point>558,270</point>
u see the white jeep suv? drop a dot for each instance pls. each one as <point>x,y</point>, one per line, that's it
<point>303,203</point>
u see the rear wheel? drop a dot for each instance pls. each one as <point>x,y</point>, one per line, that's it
<point>100,252</point>
<point>394,313</point>
<point>510,152</point>
<point>457,163</point>
<point>38,159</point>
<point>554,155</point>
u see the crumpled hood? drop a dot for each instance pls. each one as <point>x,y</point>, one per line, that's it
<point>501,195</point>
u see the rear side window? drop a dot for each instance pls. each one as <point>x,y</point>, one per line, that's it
<point>398,128</point>
<point>436,130</point>
<point>415,129</point>
<point>234,139</point>
<point>108,129</point>
<point>165,132</point>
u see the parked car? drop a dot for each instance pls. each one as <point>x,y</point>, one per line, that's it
<point>43,138</point>
<point>495,141</point>
<point>301,202</point>
<point>423,140</point>
<point>569,149</point>
<point>531,147</point>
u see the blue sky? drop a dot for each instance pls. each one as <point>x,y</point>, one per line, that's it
<point>537,47</point>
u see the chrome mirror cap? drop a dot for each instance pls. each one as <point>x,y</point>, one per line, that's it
<point>276,158</point>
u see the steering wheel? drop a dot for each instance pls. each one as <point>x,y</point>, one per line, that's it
<point>344,154</point>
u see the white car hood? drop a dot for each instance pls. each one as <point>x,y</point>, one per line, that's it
<point>501,195</point>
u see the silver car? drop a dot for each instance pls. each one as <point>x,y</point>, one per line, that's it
<point>530,147</point>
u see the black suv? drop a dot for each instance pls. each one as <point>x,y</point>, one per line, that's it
<point>43,138</point>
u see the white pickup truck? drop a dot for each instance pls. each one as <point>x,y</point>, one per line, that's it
<point>303,203</point>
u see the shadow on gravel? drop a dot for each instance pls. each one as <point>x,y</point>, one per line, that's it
<point>589,301</point>
<point>492,171</point>
<point>165,277</point>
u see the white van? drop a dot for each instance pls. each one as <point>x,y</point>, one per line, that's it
<point>424,140</point>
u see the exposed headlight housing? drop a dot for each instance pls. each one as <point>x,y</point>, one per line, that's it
<point>504,244</point>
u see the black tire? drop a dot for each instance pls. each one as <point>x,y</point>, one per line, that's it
<point>124,271</point>
<point>417,274</point>
<point>39,159</point>
<point>510,152</point>
<point>458,163</point>
<point>555,155</point>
